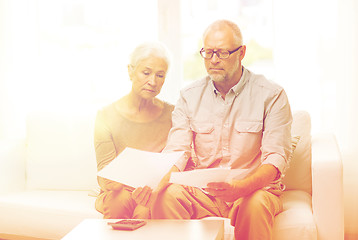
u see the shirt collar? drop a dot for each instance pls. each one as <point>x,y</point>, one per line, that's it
<point>240,85</point>
<point>237,88</point>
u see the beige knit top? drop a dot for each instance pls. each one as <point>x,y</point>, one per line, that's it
<point>114,132</point>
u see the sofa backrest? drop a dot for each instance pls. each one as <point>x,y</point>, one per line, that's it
<point>60,153</point>
<point>298,176</point>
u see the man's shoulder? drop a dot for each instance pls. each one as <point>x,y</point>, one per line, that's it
<point>259,80</point>
<point>196,86</point>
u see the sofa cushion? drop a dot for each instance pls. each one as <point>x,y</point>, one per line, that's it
<point>44,214</point>
<point>12,165</point>
<point>60,152</point>
<point>296,221</point>
<point>298,175</point>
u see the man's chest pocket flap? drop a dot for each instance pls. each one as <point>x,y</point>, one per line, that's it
<point>201,127</point>
<point>248,127</point>
<point>203,138</point>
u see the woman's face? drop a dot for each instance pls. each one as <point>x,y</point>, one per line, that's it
<point>148,77</point>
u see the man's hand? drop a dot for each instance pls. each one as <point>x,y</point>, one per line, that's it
<point>228,192</point>
<point>240,188</point>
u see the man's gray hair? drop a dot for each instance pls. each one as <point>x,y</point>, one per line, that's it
<point>149,49</point>
<point>217,25</point>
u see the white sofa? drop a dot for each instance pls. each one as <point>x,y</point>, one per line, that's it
<point>47,181</point>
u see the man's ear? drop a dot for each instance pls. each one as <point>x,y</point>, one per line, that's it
<point>242,52</point>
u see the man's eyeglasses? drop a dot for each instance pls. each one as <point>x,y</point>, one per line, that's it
<point>222,54</point>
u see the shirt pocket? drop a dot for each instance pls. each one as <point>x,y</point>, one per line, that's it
<point>203,138</point>
<point>246,139</point>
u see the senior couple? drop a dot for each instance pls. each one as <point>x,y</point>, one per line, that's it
<point>231,118</point>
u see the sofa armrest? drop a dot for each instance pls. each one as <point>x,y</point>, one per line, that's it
<point>12,165</point>
<point>327,187</point>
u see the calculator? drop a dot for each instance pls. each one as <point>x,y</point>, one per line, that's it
<point>127,224</point>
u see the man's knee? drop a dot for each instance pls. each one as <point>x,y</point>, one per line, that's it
<point>168,203</point>
<point>253,216</point>
<point>259,205</point>
<point>171,193</point>
<point>255,202</point>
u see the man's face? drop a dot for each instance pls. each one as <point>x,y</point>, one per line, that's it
<point>223,70</point>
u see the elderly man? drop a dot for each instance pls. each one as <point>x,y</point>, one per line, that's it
<point>232,118</point>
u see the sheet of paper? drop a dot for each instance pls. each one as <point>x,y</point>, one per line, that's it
<point>138,168</point>
<point>201,177</point>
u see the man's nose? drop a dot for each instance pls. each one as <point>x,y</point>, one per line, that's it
<point>215,59</point>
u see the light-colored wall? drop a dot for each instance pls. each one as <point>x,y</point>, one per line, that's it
<point>347,114</point>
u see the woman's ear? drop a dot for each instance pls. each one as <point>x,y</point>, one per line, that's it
<point>130,71</point>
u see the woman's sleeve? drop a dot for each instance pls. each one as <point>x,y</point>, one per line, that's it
<point>105,151</point>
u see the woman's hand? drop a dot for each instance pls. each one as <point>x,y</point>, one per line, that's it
<point>190,189</point>
<point>144,196</point>
<point>164,183</point>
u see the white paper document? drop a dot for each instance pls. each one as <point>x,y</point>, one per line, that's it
<point>201,177</point>
<point>138,168</point>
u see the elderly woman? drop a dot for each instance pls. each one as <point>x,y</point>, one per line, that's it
<point>138,120</point>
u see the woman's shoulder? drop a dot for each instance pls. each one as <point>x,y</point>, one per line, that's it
<point>167,109</point>
<point>109,110</point>
<point>168,106</point>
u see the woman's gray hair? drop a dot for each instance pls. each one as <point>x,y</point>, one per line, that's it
<point>147,49</point>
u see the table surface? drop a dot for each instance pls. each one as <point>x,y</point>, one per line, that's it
<point>154,229</point>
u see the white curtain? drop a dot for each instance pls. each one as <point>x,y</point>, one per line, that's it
<point>316,60</point>
<point>61,54</point>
